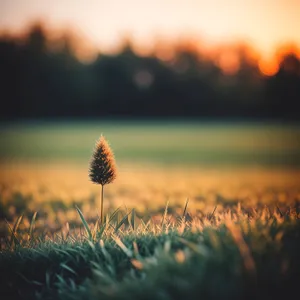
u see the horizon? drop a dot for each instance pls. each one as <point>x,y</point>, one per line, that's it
<point>227,56</point>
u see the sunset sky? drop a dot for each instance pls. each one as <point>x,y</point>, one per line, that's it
<point>264,24</point>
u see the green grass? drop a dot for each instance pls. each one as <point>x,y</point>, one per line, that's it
<point>162,142</point>
<point>238,237</point>
<point>229,254</point>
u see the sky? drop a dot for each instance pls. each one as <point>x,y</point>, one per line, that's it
<point>263,23</point>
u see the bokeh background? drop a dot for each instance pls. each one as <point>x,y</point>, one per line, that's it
<point>198,99</point>
<point>222,59</point>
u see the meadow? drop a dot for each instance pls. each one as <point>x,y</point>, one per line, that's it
<point>198,210</point>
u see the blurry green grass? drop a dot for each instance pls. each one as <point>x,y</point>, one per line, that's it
<point>238,255</point>
<point>161,142</point>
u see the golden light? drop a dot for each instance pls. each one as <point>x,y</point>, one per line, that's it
<point>268,67</point>
<point>229,62</point>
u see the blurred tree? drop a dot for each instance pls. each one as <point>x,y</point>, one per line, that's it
<point>36,39</point>
<point>38,80</point>
<point>282,91</point>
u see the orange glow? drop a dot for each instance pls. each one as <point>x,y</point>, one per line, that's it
<point>292,52</point>
<point>165,53</point>
<point>268,67</point>
<point>227,56</point>
<point>288,48</point>
<point>229,62</point>
<point>164,50</point>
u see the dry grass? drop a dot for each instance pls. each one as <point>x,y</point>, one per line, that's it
<point>53,191</point>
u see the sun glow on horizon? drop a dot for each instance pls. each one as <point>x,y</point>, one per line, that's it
<point>101,26</point>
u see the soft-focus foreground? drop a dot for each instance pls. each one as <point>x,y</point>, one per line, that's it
<point>237,237</point>
<point>214,214</point>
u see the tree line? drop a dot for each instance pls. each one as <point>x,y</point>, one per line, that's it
<point>37,82</point>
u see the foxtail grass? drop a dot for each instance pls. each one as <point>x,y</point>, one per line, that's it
<point>102,168</point>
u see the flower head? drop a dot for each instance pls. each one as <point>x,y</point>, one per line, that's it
<point>102,167</point>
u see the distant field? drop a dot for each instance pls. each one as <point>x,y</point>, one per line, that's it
<point>44,167</point>
<point>177,143</point>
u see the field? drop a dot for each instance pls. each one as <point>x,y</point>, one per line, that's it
<point>198,210</point>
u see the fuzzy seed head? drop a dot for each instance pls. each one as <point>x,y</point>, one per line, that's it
<point>102,167</point>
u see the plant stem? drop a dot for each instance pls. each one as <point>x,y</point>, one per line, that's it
<point>101,205</point>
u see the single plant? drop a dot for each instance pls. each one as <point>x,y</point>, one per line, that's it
<point>102,167</point>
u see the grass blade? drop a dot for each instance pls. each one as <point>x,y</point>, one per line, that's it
<point>212,214</point>
<point>122,222</point>
<point>94,232</point>
<point>31,226</point>
<point>64,266</point>
<point>13,235</point>
<point>132,219</point>
<point>145,225</point>
<point>16,226</point>
<point>127,251</point>
<point>165,214</point>
<point>185,207</point>
<point>85,224</point>
<point>281,214</point>
<point>114,214</point>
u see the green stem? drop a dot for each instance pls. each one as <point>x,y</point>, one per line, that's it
<point>101,206</point>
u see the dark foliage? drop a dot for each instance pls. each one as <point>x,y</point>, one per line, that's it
<point>38,82</point>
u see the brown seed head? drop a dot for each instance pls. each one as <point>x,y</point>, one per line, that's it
<point>102,167</point>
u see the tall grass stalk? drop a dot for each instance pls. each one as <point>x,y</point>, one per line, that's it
<point>102,168</point>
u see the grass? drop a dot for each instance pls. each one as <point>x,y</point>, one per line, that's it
<point>160,142</point>
<point>231,254</point>
<point>53,190</point>
<point>237,236</point>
